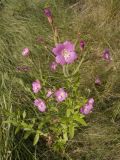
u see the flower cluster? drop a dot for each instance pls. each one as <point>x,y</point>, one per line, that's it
<point>60,95</point>
<point>64,54</point>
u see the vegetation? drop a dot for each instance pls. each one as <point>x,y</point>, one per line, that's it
<point>97,23</point>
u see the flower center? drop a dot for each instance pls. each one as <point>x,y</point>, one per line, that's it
<point>66,54</point>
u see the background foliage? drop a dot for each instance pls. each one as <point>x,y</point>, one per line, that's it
<point>21,22</point>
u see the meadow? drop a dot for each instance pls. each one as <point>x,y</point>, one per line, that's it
<point>23,24</point>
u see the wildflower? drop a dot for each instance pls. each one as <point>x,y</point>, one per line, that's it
<point>53,66</point>
<point>97,81</point>
<point>61,95</point>
<point>65,53</point>
<point>86,109</point>
<point>40,104</point>
<point>82,45</point>
<point>91,101</point>
<point>49,93</point>
<point>48,14</point>
<point>106,55</point>
<point>25,52</point>
<point>36,86</point>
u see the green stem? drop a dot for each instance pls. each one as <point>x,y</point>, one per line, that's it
<point>64,71</point>
<point>54,34</point>
<point>77,69</point>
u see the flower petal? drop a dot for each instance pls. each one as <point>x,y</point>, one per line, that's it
<point>60,59</point>
<point>69,46</point>
<point>58,49</point>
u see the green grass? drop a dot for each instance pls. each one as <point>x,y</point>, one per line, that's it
<point>21,22</point>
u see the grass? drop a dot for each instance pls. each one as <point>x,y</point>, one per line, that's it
<point>98,23</point>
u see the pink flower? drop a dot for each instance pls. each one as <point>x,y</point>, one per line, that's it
<point>61,95</point>
<point>82,45</point>
<point>97,81</point>
<point>25,52</point>
<point>36,86</point>
<point>49,93</point>
<point>47,12</point>
<point>53,66</point>
<point>65,53</point>
<point>91,101</point>
<point>40,104</point>
<point>106,55</point>
<point>87,108</point>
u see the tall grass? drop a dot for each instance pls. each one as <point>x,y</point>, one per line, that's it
<point>97,21</point>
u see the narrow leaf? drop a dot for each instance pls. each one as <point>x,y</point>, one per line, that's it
<point>71,131</point>
<point>36,139</point>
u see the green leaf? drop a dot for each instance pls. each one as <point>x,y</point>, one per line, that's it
<point>36,139</point>
<point>82,121</point>
<point>65,136</point>
<point>24,114</point>
<point>27,134</point>
<point>33,120</point>
<point>17,130</point>
<point>27,129</point>
<point>15,123</point>
<point>71,130</point>
<point>68,112</point>
<point>79,119</point>
<point>24,125</point>
<point>64,126</point>
<point>77,106</point>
